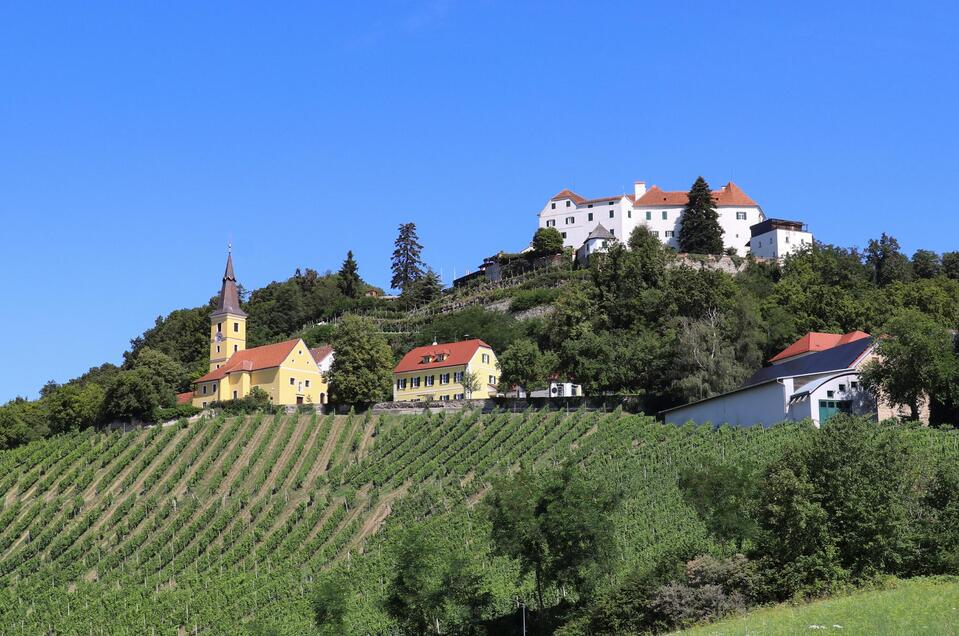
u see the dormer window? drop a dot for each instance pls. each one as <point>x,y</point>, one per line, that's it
<point>427,359</point>
<point>568,204</point>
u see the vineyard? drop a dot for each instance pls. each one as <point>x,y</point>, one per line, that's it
<point>209,526</point>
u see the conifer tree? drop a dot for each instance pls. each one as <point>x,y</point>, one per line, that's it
<point>407,265</point>
<point>349,279</point>
<point>699,230</point>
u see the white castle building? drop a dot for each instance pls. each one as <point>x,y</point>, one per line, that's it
<point>576,218</point>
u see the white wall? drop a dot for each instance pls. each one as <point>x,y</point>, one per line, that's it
<point>763,404</point>
<point>779,243</point>
<point>577,231</point>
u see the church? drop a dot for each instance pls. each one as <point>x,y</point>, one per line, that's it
<point>289,372</point>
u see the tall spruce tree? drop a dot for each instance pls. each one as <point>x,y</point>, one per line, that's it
<point>407,265</point>
<point>699,230</point>
<point>349,278</point>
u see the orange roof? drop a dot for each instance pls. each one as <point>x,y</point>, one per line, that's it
<point>320,353</point>
<point>184,398</point>
<point>265,357</point>
<point>457,353</point>
<point>729,194</point>
<point>568,194</point>
<point>814,341</point>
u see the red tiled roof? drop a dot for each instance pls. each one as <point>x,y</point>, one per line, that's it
<point>184,398</point>
<point>814,341</point>
<point>265,357</point>
<point>729,194</point>
<point>568,194</point>
<point>458,353</point>
<point>320,353</point>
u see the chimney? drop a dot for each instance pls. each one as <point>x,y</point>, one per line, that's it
<point>639,188</point>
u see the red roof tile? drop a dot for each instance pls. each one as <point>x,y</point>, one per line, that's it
<point>265,357</point>
<point>320,353</point>
<point>184,398</point>
<point>814,341</point>
<point>729,194</point>
<point>457,353</point>
<point>568,194</point>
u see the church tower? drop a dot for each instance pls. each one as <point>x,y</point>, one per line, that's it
<point>228,322</point>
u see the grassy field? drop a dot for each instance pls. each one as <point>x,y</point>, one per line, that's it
<point>917,606</point>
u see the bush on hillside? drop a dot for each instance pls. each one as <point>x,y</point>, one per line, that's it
<point>175,412</point>
<point>528,299</point>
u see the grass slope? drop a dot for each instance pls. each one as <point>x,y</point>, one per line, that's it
<point>217,524</point>
<point>916,606</point>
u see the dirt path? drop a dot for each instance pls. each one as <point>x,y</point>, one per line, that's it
<point>320,466</point>
<point>382,510</point>
<point>367,441</point>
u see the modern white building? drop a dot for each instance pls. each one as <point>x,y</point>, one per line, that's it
<point>576,217</point>
<point>777,238</point>
<point>811,385</point>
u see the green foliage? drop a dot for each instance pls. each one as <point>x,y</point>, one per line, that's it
<point>915,361</point>
<point>348,278</point>
<point>75,406</point>
<point>926,264</point>
<point>887,263</point>
<point>555,524</point>
<point>407,266</point>
<point>423,290</point>
<point>699,230</point>
<point>471,382</point>
<point>529,298</point>
<point>524,365</point>
<point>176,412</point>
<point>361,372</point>
<point>547,241</point>
<point>135,395</point>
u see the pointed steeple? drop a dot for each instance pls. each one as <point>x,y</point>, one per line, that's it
<point>229,302</point>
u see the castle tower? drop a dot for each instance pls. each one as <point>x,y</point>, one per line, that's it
<point>228,322</point>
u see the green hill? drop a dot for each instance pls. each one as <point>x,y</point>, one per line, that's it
<point>221,523</point>
<point>917,606</point>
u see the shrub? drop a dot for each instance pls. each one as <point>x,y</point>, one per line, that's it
<point>533,298</point>
<point>175,412</point>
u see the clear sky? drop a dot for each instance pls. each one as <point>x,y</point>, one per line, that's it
<point>138,138</point>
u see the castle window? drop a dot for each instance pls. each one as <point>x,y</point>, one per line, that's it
<point>307,384</point>
<point>292,381</point>
<point>219,327</point>
<point>236,348</point>
<point>589,216</point>
<point>612,214</point>
<point>740,216</point>
<point>665,213</point>
<point>568,204</point>
<point>629,214</point>
<point>649,215</point>
<point>236,327</point>
<point>218,348</point>
<point>553,206</point>
<point>670,233</point>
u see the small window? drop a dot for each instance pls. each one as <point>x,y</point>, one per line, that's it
<point>740,216</point>
<point>430,380</point>
<point>236,348</point>
<point>670,233</point>
<point>236,327</point>
<point>204,405</point>
<point>292,381</point>
<point>787,239</point>
<point>570,220</point>
<point>830,394</point>
<point>589,217</point>
<point>444,398</point>
<point>551,223</point>
<point>492,379</point>
<point>611,203</point>
<point>397,384</point>
<point>219,327</point>
<point>234,395</point>
<point>553,206</point>
<point>612,214</point>
<point>590,205</point>
<point>612,232</point>
<point>842,388</point>
<point>563,234</point>
<point>459,396</point>
<point>485,358</point>
<point>629,214</point>
<point>204,389</point>
<point>307,383</point>
<point>568,204</point>
<point>218,348</point>
<point>854,385</point>
<point>458,376</point>
<point>444,378</point>
<point>649,215</point>
<point>415,382</point>
<point>656,233</point>
<point>665,214</point>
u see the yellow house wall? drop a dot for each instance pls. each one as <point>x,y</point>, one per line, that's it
<point>298,365</point>
<point>439,391</point>
<point>231,339</point>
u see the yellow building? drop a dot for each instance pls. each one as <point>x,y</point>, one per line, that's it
<point>435,372</point>
<point>289,372</point>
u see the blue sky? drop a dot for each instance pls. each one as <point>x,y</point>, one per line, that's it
<point>137,139</point>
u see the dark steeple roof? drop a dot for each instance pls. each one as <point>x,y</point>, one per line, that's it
<point>229,302</point>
